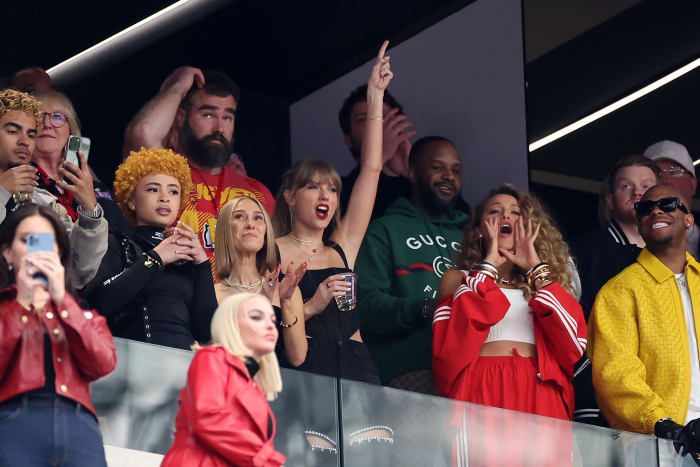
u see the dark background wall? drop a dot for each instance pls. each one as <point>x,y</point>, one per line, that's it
<point>448,86</point>
<point>607,62</point>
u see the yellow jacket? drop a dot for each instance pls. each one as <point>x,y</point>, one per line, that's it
<point>638,345</point>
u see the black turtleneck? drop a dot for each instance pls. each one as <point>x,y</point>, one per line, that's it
<point>253,367</point>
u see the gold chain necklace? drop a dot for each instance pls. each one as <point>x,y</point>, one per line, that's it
<point>300,241</point>
<point>252,288</point>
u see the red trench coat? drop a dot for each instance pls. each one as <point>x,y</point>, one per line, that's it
<point>223,416</point>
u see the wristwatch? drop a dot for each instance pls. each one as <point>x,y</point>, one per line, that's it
<point>96,213</point>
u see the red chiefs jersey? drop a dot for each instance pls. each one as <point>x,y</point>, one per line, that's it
<point>208,195</point>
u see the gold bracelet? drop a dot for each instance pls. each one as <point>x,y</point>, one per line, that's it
<point>375,117</point>
<point>284,325</point>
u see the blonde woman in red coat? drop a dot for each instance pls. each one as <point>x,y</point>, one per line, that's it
<point>224,417</point>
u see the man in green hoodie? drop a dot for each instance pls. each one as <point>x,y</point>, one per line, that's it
<point>400,263</point>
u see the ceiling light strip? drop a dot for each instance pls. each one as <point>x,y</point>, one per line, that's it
<point>140,24</point>
<point>614,106</point>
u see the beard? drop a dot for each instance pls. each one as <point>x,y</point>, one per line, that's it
<point>206,152</point>
<point>434,203</point>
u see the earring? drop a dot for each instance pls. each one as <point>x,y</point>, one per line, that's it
<point>9,266</point>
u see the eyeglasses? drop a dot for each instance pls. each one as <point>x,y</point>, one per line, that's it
<point>57,119</point>
<point>644,208</point>
<point>675,171</point>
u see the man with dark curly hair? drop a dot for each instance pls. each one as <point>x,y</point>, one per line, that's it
<point>20,118</point>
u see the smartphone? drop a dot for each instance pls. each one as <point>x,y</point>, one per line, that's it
<point>39,242</point>
<point>75,144</point>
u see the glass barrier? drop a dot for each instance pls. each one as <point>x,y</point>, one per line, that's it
<point>378,426</point>
<point>137,403</point>
<point>385,426</point>
<point>669,458</point>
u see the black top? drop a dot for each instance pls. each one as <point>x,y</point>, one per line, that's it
<point>389,190</point>
<point>600,256</point>
<point>253,367</point>
<point>332,322</point>
<point>49,386</point>
<point>172,306</point>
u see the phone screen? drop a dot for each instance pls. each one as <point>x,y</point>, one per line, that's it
<point>39,242</point>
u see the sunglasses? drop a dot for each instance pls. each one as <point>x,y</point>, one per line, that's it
<point>644,208</point>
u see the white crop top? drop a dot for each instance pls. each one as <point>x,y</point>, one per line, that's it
<point>518,324</point>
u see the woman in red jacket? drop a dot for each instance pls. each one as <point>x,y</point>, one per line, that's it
<point>49,352</point>
<point>224,418</point>
<point>508,331</point>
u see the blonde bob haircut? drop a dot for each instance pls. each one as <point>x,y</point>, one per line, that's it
<point>300,174</point>
<point>17,100</point>
<point>224,247</point>
<point>550,245</point>
<point>147,162</point>
<point>66,106</point>
<point>225,331</point>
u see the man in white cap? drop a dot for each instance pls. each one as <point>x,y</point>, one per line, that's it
<point>678,171</point>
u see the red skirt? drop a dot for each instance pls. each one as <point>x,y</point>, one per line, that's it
<point>491,437</point>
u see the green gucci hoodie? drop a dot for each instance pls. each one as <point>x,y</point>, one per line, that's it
<point>400,263</point>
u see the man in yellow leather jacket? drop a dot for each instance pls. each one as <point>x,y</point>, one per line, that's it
<point>642,335</point>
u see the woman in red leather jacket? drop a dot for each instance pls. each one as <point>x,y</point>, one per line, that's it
<point>49,352</point>
<point>224,417</point>
<point>508,332</point>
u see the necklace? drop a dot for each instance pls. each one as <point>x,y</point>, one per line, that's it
<point>194,196</point>
<point>252,288</point>
<point>301,241</point>
<point>682,281</point>
<point>504,282</point>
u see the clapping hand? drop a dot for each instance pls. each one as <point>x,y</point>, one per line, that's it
<point>286,285</point>
<point>191,246</point>
<point>524,254</point>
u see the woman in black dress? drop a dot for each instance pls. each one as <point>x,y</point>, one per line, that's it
<point>310,229</point>
<point>155,285</point>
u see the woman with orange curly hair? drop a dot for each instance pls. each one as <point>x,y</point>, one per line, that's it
<point>508,329</point>
<point>155,285</point>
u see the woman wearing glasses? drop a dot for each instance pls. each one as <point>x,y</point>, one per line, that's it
<point>75,188</point>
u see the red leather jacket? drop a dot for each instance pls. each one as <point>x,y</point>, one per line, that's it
<point>81,345</point>
<point>223,416</point>
<point>462,322</point>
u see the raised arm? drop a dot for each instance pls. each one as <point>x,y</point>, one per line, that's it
<point>153,122</point>
<point>354,223</point>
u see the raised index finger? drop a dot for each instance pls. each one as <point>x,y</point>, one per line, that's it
<point>382,50</point>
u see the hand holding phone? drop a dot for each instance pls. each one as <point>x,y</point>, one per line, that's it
<point>75,144</point>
